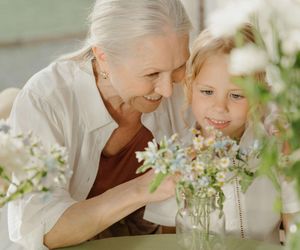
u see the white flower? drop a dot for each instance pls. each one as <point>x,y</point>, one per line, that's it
<point>13,156</point>
<point>28,166</point>
<point>274,79</point>
<point>203,181</point>
<point>198,142</point>
<point>291,43</point>
<point>160,168</point>
<point>221,177</point>
<point>224,22</point>
<point>285,12</point>
<point>152,145</point>
<point>209,141</point>
<point>247,60</point>
<point>140,156</point>
<point>224,162</point>
<point>211,191</point>
<point>199,167</point>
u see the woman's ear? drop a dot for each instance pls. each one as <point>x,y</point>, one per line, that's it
<point>99,54</point>
<point>100,57</point>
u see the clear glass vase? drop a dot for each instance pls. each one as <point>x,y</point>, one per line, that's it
<point>200,224</point>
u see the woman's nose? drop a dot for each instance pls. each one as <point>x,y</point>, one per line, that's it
<point>165,88</point>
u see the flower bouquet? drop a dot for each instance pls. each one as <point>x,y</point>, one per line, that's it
<point>27,166</point>
<point>202,169</point>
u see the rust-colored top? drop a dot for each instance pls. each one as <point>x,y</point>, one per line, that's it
<point>115,170</point>
<point>119,168</point>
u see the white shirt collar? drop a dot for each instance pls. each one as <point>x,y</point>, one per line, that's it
<point>94,112</point>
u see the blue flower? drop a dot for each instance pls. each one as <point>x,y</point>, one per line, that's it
<point>204,181</point>
<point>4,128</point>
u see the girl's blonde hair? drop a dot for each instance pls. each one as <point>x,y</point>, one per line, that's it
<point>115,25</point>
<point>207,45</point>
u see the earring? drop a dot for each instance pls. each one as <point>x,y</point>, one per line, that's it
<point>104,74</point>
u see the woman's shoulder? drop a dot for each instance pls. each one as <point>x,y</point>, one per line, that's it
<point>59,74</point>
<point>58,80</point>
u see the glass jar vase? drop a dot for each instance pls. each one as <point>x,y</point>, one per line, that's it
<point>200,224</point>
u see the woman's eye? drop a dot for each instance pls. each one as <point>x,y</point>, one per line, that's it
<point>237,96</point>
<point>206,92</point>
<point>153,75</point>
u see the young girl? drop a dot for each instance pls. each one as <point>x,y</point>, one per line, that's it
<point>216,101</point>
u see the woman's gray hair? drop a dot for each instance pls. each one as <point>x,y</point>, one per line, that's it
<point>116,24</point>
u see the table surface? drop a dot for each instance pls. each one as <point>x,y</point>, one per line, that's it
<point>164,242</point>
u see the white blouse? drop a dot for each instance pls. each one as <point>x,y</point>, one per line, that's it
<point>61,104</point>
<point>253,211</point>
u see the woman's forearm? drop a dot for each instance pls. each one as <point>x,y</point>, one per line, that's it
<point>85,219</point>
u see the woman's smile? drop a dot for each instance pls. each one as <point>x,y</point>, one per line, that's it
<point>153,98</point>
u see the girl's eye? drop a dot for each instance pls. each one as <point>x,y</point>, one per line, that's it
<point>206,92</point>
<point>237,96</point>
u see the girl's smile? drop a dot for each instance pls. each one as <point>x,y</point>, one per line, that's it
<point>218,124</point>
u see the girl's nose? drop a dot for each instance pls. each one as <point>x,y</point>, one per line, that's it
<point>221,104</point>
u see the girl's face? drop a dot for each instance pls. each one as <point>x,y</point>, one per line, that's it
<point>216,101</point>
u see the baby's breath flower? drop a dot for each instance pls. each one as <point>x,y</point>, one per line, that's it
<point>221,177</point>
<point>198,142</point>
<point>202,166</point>
<point>203,181</point>
<point>209,141</point>
<point>33,167</point>
<point>140,156</point>
<point>199,167</point>
<point>224,162</point>
<point>211,192</point>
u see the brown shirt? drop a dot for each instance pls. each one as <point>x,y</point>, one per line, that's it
<point>115,170</point>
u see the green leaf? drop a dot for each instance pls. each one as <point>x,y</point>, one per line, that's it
<point>297,62</point>
<point>246,181</point>
<point>156,181</point>
<point>143,168</point>
<point>294,172</point>
<point>4,175</point>
<point>277,204</point>
<point>294,141</point>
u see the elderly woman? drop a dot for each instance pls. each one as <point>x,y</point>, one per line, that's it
<point>103,103</point>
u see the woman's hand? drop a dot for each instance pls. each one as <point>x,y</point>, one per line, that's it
<point>165,190</point>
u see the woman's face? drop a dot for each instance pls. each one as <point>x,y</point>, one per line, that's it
<point>216,101</point>
<point>147,73</point>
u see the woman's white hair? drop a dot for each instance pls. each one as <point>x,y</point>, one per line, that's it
<point>116,24</point>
